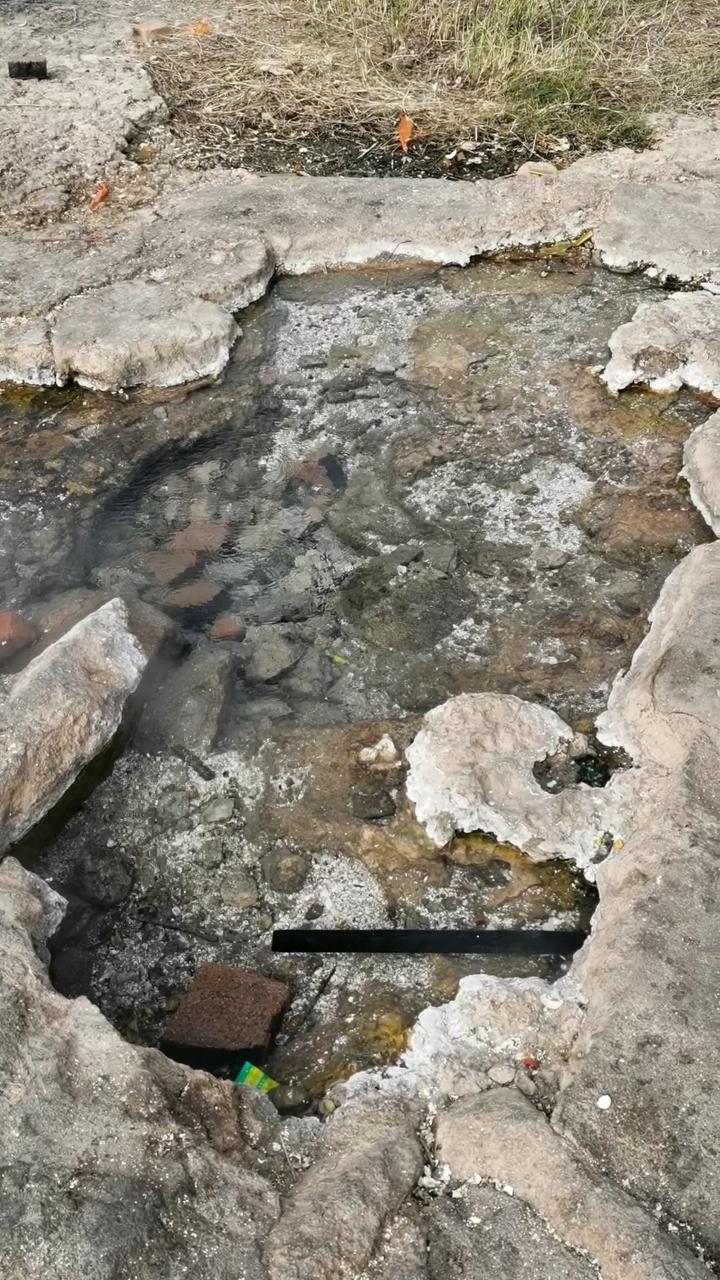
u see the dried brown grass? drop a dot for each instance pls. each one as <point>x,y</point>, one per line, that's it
<point>588,69</point>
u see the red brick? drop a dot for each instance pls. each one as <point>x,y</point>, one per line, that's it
<point>228,1017</point>
<point>15,634</point>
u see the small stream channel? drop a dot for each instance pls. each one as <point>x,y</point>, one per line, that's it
<point>426,490</point>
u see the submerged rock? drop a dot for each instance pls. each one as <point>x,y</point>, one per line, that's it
<point>66,707</point>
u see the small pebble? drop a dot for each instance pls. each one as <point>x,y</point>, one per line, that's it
<point>327,1106</point>
<point>526,1086</point>
<point>604,1102</point>
<point>501,1075</point>
<point>218,811</point>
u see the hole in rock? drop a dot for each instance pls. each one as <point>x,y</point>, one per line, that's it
<point>408,485</point>
<point>584,759</point>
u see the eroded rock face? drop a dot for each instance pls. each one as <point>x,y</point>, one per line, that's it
<point>649,972</point>
<point>114,1159</point>
<point>371,1162</point>
<point>502,1137</point>
<point>701,458</point>
<point>471,769</point>
<point>668,345</point>
<point>66,706</point>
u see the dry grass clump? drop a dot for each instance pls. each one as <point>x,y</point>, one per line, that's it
<point>587,69</point>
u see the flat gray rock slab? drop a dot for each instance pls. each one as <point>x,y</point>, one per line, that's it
<point>139,334</point>
<point>502,1137</point>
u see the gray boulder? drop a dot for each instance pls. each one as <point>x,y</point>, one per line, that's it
<point>66,707</point>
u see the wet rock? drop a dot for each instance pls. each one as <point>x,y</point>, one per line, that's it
<point>71,1081</point>
<point>284,871</point>
<point>169,566</point>
<point>501,1136</point>
<point>314,911</point>
<point>227,628</point>
<point>667,345</point>
<point>190,706</point>
<point>227,1018</point>
<point>271,655</point>
<point>191,599</point>
<point>134,332</point>
<point>71,972</point>
<point>550,558</point>
<point>61,711</point>
<point>104,874</point>
<point>55,617</point>
<point>365,1168</point>
<point>371,805</point>
<point>218,811</point>
<point>15,634</point>
<point>200,537</point>
<point>290,1099</point>
<point>238,890</point>
<point>441,556</point>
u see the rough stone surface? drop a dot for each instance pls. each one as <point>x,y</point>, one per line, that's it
<point>501,1136</point>
<point>701,459</point>
<point>284,871</point>
<point>114,1159</point>
<point>471,769</point>
<point>649,973</point>
<point>487,1234</point>
<point>76,124</point>
<point>25,352</point>
<point>135,333</point>
<point>63,709</point>
<point>367,1166</point>
<point>189,706</point>
<point>657,210</point>
<point>668,345</point>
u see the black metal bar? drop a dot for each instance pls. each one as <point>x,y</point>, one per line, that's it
<point>526,942</point>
